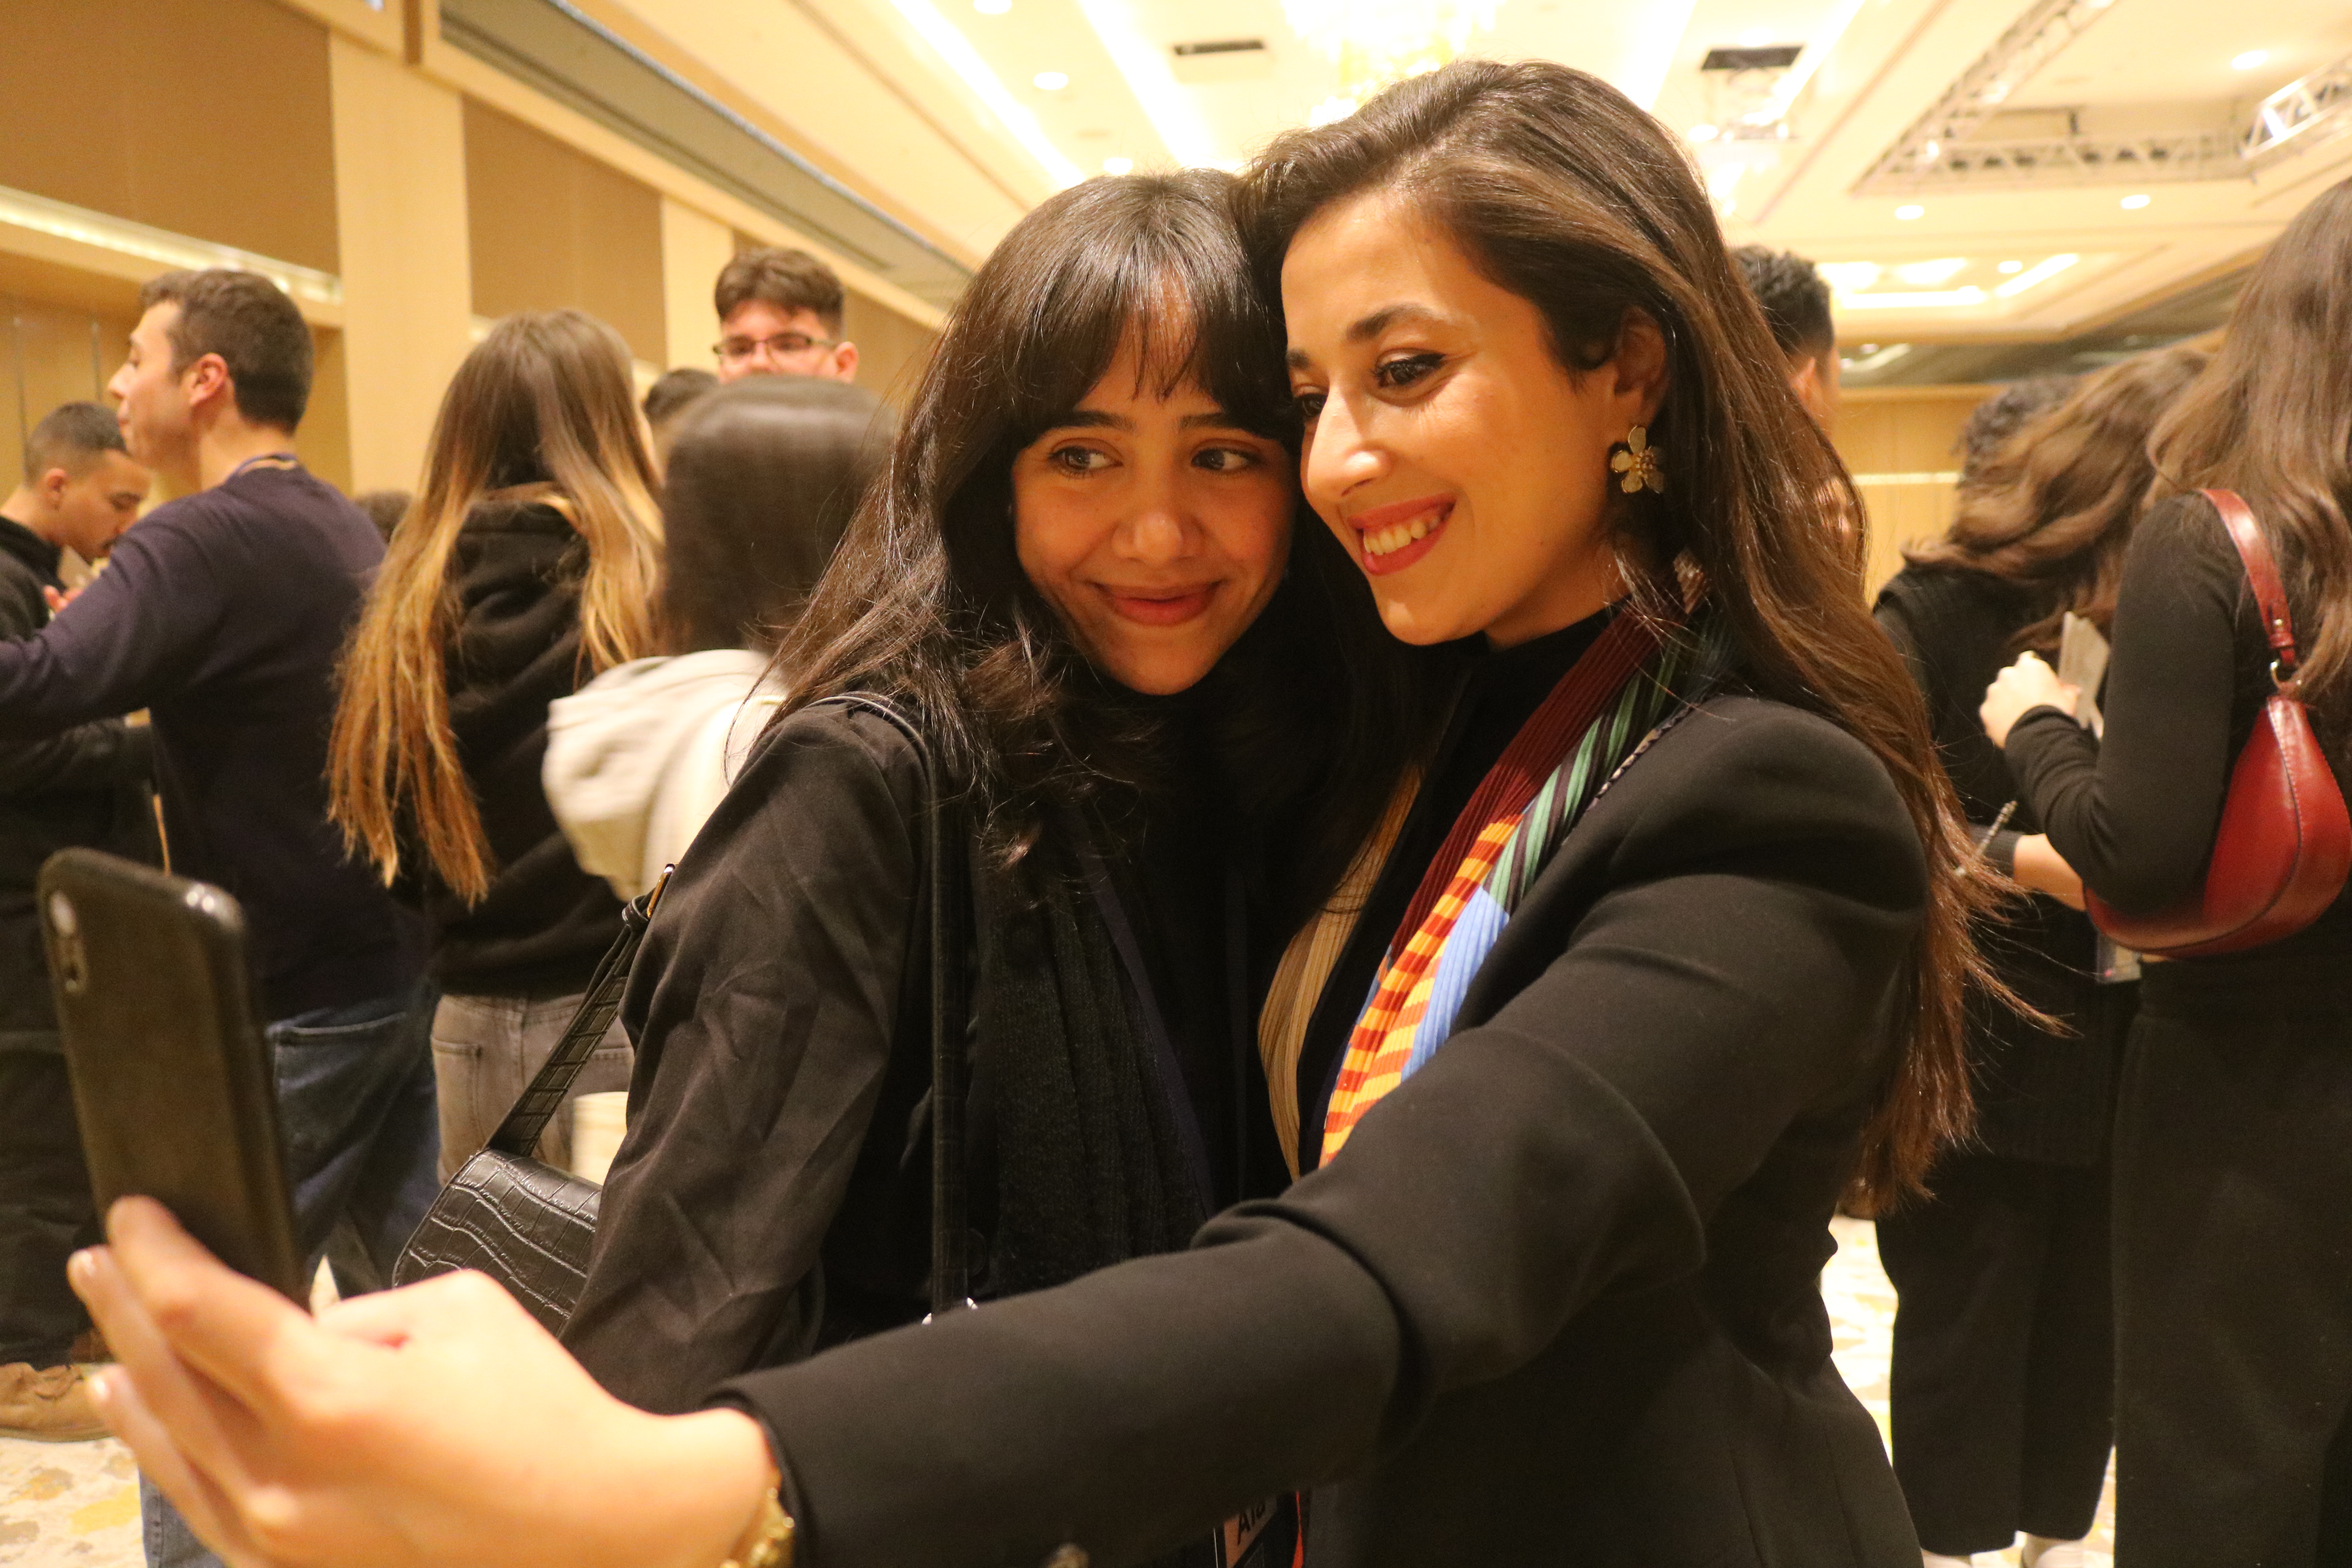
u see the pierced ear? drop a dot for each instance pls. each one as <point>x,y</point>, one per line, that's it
<point>1640,362</point>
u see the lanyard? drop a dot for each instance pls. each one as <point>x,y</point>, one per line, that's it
<point>286,458</point>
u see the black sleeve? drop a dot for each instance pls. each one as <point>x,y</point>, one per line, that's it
<point>100,755</point>
<point>126,642</point>
<point>762,1009</point>
<point>2135,815</point>
<point>1724,977</point>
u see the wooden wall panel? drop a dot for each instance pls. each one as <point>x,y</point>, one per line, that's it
<point>892,349</point>
<point>50,354</point>
<point>208,118</point>
<point>1889,441</point>
<point>552,227</point>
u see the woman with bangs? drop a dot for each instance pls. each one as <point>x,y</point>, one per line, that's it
<point>1659,956</point>
<point>1078,579</point>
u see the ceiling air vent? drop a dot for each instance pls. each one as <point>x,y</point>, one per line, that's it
<point>1772,58</point>
<point>1223,60</point>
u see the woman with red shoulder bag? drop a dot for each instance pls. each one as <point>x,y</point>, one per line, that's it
<point>2209,830</point>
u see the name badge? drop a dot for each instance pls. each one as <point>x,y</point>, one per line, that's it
<point>1265,1535</point>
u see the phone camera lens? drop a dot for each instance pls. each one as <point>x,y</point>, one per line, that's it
<point>73,970</point>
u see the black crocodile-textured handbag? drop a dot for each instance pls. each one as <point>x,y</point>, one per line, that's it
<point>530,1226</point>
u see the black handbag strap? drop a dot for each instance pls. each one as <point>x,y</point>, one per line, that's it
<point>950,1017</point>
<point>519,1134</point>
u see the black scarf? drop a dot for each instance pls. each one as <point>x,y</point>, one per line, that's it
<point>1090,1164</point>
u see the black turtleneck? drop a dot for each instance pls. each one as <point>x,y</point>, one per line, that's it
<point>1502,691</point>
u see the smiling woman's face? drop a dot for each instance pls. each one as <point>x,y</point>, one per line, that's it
<point>1457,460</point>
<point>1157,526</point>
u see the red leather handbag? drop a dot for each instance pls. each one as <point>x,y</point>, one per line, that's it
<point>2285,842</point>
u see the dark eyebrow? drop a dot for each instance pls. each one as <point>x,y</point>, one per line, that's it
<point>1098,420</point>
<point>1373,326</point>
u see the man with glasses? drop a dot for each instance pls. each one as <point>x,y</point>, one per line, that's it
<point>780,314</point>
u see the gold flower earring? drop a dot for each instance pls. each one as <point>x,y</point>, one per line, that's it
<point>1638,461</point>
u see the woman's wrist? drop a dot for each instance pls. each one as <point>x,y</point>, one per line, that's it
<point>700,1487</point>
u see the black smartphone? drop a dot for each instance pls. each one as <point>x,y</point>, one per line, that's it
<point>172,1080</point>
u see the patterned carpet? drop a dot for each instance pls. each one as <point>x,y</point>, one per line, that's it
<point>77,1503</point>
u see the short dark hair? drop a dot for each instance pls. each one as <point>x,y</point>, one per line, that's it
<point>257,331</point>
<point>71,439</point>
<point>672,390</point>
<point>1795,297</point>
<point>793,280</point>
<point>2002,415</point>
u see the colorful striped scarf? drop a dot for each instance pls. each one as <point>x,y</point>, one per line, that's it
<point>1635,680</point>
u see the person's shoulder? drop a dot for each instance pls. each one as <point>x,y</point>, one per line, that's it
<point>1742,769</point>
<point>2187,523</point>
<point>848,734</point>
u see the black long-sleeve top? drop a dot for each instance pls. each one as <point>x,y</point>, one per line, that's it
<point>2040,1095</point>
<point>515,576</point>
<point>84,786</point>
<point>2136,814</point>
<point>222,614</point>
<point>1557,1301</point>
<point>773,1191</point>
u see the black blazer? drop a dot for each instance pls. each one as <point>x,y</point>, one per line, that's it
<point>1557,1301</point>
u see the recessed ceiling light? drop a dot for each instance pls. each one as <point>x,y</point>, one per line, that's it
<point>2133,204</point>
<point>992,7</point>
<point>1119,165</point>
<point>2012,266</point>
<point>1704,133</point>
<point>1050,81</point>
<point>1906,214</point>
<point>2249,60</point>
<point>1930,274</point>
<point>1755,37</point>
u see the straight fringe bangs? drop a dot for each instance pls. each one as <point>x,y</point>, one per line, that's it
<point>540,410</point>
<point>1563,192</point>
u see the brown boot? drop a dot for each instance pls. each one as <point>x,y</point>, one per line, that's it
<point>47,1404</point>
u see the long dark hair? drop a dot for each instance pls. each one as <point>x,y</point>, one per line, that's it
<point>2053,506</point>
<point>764,475</point>
<point>1564,193</point>
<point>926,600</point>
<point>2271,419</point>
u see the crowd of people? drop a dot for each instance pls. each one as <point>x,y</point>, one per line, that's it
<point>1348,694</point>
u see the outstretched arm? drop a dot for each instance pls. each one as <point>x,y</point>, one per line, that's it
<point>437,1427</point>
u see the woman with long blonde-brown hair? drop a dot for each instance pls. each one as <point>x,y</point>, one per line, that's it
<point>528,563</point>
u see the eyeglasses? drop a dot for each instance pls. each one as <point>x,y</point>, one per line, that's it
<point>783,345</point>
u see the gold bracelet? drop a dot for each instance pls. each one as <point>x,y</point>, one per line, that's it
<point>767,1541</point>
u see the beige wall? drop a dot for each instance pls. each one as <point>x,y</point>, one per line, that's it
<point>695,247</point>
<point>553,227</point>
<point>890,349</point>
<point>124,106</point>
<point>400,182</point>
<point>1893,441</point>
<point>55,353</point>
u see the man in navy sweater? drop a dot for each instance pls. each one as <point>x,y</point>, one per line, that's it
<point>222,614</point>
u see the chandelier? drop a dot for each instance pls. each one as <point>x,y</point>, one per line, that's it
<point>1375,42</point>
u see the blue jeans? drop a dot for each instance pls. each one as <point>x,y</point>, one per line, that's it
<point>356,1110</point>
